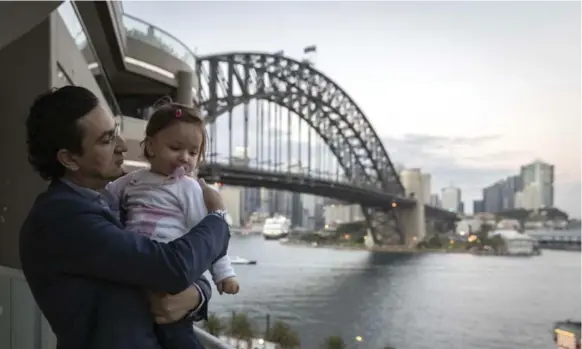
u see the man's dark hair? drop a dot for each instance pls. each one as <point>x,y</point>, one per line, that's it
<point>52,125</point>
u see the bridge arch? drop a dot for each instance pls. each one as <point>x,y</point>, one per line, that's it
<point>230,79</point>
<point>227,80</point>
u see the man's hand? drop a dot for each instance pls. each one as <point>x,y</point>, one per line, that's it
<point>212,198</point>
<point>168,308</point>
<point>229,286</point>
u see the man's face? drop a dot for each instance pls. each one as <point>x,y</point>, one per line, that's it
<point>103,148</point>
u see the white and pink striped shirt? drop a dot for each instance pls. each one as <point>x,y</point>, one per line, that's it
<point>164,209</point>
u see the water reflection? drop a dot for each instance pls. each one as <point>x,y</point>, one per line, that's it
<point>407,300</point>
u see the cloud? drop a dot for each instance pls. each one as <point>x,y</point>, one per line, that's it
<point>470,163</point>
<point>442,141</point>
<point>439,156</point>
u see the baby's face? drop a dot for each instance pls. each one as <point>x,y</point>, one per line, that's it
<point>177,146</point>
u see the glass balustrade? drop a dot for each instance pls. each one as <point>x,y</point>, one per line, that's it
<point>69,16</point>
<point>150,34</point>
<point>78,31</point>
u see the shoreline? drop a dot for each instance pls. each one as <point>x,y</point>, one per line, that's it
<point>396,249</point>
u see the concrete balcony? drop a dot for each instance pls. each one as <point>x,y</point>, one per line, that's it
<point>151,60</point>
<point>155,47</point>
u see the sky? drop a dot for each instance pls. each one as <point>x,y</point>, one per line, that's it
<point>467,91</point>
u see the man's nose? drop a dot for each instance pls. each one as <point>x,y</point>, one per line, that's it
<point>120,144</point>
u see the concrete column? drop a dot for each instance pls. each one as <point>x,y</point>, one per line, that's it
<point>412,222</point>
<point>184,93</point>
<point>27,69</point>
<point>17,17</point>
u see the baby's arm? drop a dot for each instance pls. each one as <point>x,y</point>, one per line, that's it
<point>195,210</point>
<point>222,269</point>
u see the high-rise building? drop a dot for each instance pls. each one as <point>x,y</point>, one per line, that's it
<point>265,197</point>
<point>435,200</point>
<point>451,199</point>
<point>510,187</point>
<point>318,217</point>
<point>538,185</point>
<point>478,206</point>
<point>250,198</point>
<point>339,214</point>
<point>426,187</point>
<point>297,210</point>
<point>416,184</point>
<point>493,198</point>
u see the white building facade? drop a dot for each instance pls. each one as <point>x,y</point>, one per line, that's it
<point>451,199</point>
<point>538,186</point>
<point>339,214</point>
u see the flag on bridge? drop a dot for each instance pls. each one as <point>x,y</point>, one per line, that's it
<point>311,48</point>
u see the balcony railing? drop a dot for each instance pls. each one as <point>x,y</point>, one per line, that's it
<point>209,341</point>
<point>150,34</point>
<point>42,334</point>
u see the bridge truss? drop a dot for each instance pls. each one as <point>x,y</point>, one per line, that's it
<point>237,78</point>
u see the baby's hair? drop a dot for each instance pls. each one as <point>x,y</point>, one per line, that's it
<point>167,113</point>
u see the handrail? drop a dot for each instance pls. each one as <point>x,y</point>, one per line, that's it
<point>149,33</point>
<point>209,341</point>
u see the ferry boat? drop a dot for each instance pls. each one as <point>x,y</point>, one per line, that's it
<point>276,227</point>
<point>244,261</point>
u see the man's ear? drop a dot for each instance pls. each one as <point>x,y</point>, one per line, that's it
<point>68,160</point>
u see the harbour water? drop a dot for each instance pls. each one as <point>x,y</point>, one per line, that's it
<point>407,301</point>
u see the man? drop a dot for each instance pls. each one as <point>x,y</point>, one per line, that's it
<point>89,276</point>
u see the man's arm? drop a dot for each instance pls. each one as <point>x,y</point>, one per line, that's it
<point>190,304</point>
<point>201,312</point>
<point>86,243</point>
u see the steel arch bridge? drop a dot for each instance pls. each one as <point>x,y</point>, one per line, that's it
<point>231,79</point>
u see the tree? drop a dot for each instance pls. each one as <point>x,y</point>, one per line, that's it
<point>434,242</point>
<point>483,232</point>
<point>214,325</point>
<point>497,243</point>
<point>241,327</point>
<point>282,334</point>
<point>334,342</point>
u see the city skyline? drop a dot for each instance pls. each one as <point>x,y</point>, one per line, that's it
<point>473,88</point>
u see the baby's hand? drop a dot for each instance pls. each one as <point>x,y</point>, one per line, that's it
<point>229,286</point>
